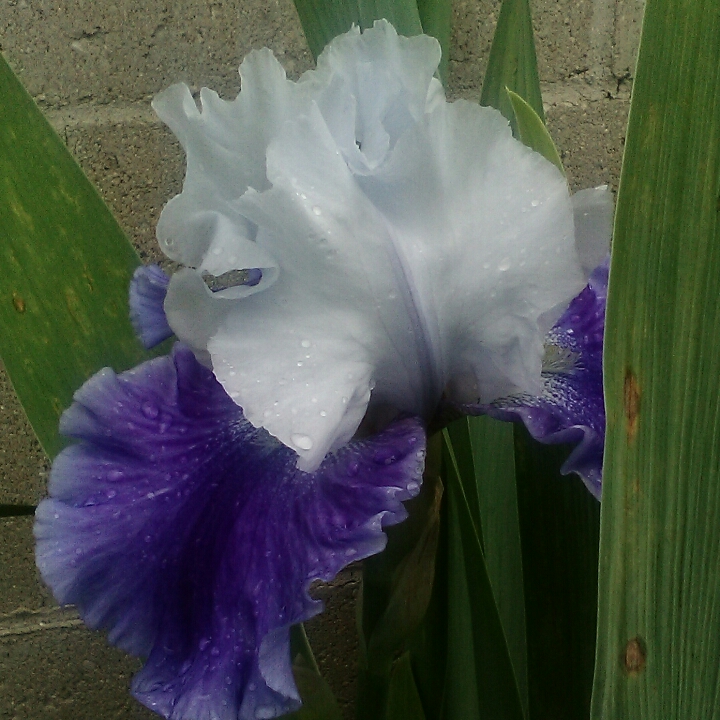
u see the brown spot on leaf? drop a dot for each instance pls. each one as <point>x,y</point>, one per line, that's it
<point>18,303</point>
<point>635,656</point>
<point>631,403</point>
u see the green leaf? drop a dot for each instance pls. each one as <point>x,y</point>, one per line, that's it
<point>436,19</point>
<point>322,20</point>
<point>403,698</point>
<point>396,590</point>
<point>493,456</point>
<point>659,596</point>
<point>480,678</point>
<point>318,700</point>
<point>409,596</point>
<point>512,63</point>
<point>560,528</point>
<point>531,130</point>
<point>66,265</point>
<point>403,14</point>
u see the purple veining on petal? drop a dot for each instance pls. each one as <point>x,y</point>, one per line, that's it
<point>192,537</point>
<point>148,288</point>
<point>571,408</point>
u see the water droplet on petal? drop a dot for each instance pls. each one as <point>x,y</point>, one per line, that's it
<point>150,410</point>
<point>202,645</point>
<point>264,712</point>
<point>535,203</point>
<point>316,210</point>
<point>504,264</point>
<point>306,343</point>
<point>413,487</point>
<point>301,441</point>
<point>323,413</point>
<point>216,251</point>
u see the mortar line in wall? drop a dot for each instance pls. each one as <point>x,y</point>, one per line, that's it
<point>74,116</point>
<point>25,622</point>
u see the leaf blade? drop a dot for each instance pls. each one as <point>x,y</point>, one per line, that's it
<point>67,266</point>
<point>532,131</point>
<point>512,62</point>
<point>660,540</point>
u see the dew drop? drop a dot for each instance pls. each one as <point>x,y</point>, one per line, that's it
<point>202,645</point>
<point>413,487</point>
<point>299,364</point>
<point>316,210</point>
<point>303,196</point>
<point>535,203</point>
<point>306,343</point>
<point>323,413</point>
<point>150,410</point>
<point>504,264</point>
<point>217,251</point>
<point>301,441</point>
<point>264,712</point>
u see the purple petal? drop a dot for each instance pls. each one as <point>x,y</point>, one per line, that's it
<point>571,408</point>
<point>148,288</point>
<point>192,537</point>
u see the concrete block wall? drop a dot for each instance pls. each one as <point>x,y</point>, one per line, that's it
<point>93,67</point>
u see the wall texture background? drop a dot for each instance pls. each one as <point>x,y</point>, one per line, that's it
<point>93,67</point>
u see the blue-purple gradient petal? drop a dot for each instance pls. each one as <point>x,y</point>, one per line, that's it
<point>148,288</point>
<point>571,408</point>
<point>192,538</point>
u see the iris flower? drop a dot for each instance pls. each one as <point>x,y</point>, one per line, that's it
<point>358,256</point>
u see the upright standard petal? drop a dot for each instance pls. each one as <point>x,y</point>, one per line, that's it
<point>570,408</point>
<point>192,537</point>
<point>408,247</point>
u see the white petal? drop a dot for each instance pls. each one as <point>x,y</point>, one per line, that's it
<point>486,226</point>
<point>408,246</point>
<point>301,358</point>
<point>225,146</point>
<point>377,85</point>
